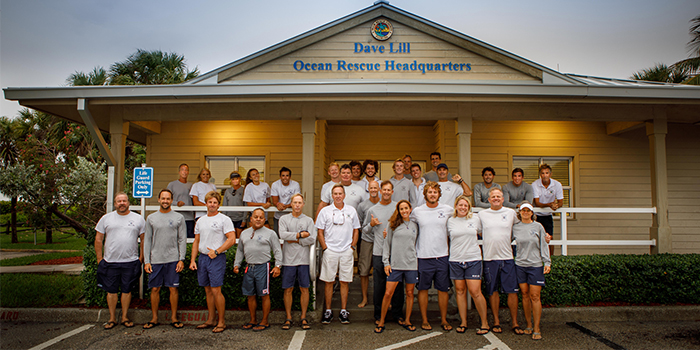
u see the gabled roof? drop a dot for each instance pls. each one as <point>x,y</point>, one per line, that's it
<point>383,9</point>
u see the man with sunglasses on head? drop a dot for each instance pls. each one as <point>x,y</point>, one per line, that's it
<point>338,228</point>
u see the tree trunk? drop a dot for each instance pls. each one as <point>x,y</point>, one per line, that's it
<point>13,219</point>
<point>48,225</point>
<point>68,220</point>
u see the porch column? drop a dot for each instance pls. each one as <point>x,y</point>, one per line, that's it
<point>308,132</point>
<point>660,228</point>
<point>464,140</point>
<point>118,130</point>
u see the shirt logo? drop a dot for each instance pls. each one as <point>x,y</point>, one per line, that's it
<point>470,225</point>
<point>504,217</point>
<point>441,214</point>
<point>170,223</point>
<point>131,223</point>
<point>214,224</point>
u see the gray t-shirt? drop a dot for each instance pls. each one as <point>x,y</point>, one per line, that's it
<point>284,193</point>
<point>165,240</point>
<point>416,196</point>
<point>514,195</point>
<point>432,223</point>
<point>234,198</point>
<point>121,236</point>
<point>181,192</point>
<point>361,212</point>
<point>449,191</point>
<point>402,189</point>
<point>255,246</point>
<point>295,254</point>
<point>481,194</point>
<point>532,248</point>
<point>400,247</point>
<point>383,214</point>
<point>463,238</point>
<point>432,176</point>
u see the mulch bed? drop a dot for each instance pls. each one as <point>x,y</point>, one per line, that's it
<point>62,261</point>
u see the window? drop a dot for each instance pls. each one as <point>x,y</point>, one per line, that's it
<point>562,171</point>
<point>222,166</point>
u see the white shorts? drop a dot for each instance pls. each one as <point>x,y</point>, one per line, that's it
<point>333,262</point>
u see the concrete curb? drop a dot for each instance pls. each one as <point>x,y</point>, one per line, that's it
<point>236,318</point>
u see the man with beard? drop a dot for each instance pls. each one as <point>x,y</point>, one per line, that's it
<point>120,265</point>
<point>376,220</point>
<point>432,250</point>
<point>369,167</point>
<point>164,246</point>
<point>481,190</point>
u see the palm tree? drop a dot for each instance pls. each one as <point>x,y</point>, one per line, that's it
<point>151,68</point>
<point>98,76</point>
<point>692,64</point>
<point>663,73</point>
<point>9,154</point>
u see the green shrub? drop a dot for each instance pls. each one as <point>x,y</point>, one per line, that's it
<point>190,293</point>
<point>30,290</point>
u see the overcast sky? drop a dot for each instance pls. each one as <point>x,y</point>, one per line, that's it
<point>43,41</point>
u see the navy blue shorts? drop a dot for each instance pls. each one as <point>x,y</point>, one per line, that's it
<point>112,277</point>
<point>164,275</point>
<point>210,272</point>
<point>240,224</point>
<point>190,228</point>
<point>533,276</point>
<point>291,274</point>
<point>503,271</point>
<point>468,270</point>
<point>434,269</point>
<point>256,280</point>
<point>405,276</point>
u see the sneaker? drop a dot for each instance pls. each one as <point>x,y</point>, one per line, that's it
<point>344,317</point>
<point>327,317</point>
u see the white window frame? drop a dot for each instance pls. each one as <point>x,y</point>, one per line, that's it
<point>236,164</point>
<point>568,189</point>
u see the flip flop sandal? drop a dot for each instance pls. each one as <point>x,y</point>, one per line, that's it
<point>218,329</point>
<point>150,325</point>
<point>536,336</point>
<point>305,324</point>
<point>527,331</point>
<point>260,328</point>
<point>461,329</point>
<point>177,324</point>
<point>426,327</point>
<point>204,326</point>
<point>110,325</point>
<point>128,324</point>
<point>497,329</point>
<point>379,329</point>
<point>249,325</point>
<point>516,329</point>
<point>287,324</point>
<point>482,331</point>
<point>446,327</point>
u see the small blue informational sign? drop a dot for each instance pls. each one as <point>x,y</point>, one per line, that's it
<point>143,182</point>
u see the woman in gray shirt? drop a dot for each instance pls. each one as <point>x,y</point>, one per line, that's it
<point>532,262</point>
<point>400,261</point>
<point>465,262</point>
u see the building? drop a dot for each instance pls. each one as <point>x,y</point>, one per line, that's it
<point>382,82</point>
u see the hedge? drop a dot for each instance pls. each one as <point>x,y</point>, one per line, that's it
<point>191,294</point>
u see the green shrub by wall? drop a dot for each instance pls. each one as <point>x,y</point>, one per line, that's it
<point>191,294</point>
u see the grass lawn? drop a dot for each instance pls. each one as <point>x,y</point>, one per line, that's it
<point>26,260</point>
<point>61,241</point>
<point>30,290</point>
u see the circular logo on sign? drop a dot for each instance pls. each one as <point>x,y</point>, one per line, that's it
<point>381,29</point>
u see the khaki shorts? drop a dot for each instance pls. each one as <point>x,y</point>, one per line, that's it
<point>364,262</point>
<point>340,263</point>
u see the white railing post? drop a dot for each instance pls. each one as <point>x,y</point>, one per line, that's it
<point>564,245</point>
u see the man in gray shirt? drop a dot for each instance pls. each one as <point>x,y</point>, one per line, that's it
<point>366,242</point>
<point>481,190</point>
<point>180,189</point>
<point>164,246</point>
<point>517,190</point>
<point>376,220</point>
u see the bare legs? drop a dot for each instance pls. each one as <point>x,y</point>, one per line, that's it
<point>443,299</point>
<point>155,301</point>
<point>364,281</point>
<point>344,288</point>
<point>512,306</point>
<point>390,289</point>
<point>215,303</point>
<point>253,306</point>
<point>532,305</point>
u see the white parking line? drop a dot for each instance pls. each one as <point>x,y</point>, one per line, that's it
<point>410,341</point>
<point>297,340</point>
<point>61,337</point>
<point>495,343</point>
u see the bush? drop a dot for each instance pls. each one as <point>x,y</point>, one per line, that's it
<point>191,294</point>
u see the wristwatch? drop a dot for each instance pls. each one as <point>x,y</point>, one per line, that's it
<point>216,252</point>
<point>354,247</point>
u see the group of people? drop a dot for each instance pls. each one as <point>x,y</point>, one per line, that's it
<point>416,230</point>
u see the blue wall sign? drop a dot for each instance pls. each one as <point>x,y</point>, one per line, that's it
<point>143,182</point>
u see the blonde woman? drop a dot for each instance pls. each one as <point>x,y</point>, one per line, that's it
<point>200,189</point>
<point>465,262</point>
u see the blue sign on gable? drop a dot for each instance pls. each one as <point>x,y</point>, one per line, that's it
<point>143,183</point>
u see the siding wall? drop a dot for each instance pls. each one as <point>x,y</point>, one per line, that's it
<point>683,158</point>
<point>424,49</point>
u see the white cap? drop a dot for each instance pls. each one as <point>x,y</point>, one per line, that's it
<point>527,205</point>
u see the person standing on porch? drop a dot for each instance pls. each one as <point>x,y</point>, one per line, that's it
<point>356,169</point>
<point>369,167</point>
<point>354,194</point>
<point>366,242</point>
<point>337,226</point>
<point>165,247</point>
<point>517,190</point>
<point>451,190</point>
<point>481,190</point>
<point>334,173</point>
<point>233,197</point>
<point>548,193</point>
<point>281,194</point>
<point>181,196</point>
<point>120,266</point>
<point>200,189</point>
<point>402,184</point>
<point>435,160</point>
<point>416,194</point>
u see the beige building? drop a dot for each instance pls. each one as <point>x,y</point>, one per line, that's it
<point>383,82</point>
